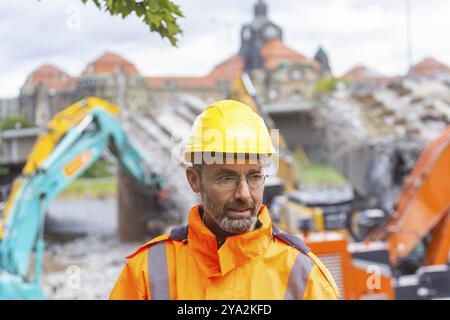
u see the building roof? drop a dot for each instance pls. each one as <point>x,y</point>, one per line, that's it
<point>51,77</point>
<point>228,69</point>
<point>358,72</point>
<point>361,73</point>
<point>224,71</point>
<point>109,63</point>
<point>428,67</point>
<point>275,52</point>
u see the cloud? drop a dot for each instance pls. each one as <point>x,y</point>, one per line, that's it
<point>371,32</point>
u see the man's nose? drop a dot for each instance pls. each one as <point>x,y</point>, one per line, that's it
<point>243,191</point>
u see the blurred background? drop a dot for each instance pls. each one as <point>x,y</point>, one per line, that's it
<point>359,91</point>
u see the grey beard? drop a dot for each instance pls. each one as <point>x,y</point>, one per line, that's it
<point>235,226</point>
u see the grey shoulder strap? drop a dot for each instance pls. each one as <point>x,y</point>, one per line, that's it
<point>179,233</point>
<point>291,240</point>
<point>302,267</point>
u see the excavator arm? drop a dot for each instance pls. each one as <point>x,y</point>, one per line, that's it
<point>423,208</point>
<point>58,158</point>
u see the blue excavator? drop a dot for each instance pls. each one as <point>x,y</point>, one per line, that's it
<point>75,139</point>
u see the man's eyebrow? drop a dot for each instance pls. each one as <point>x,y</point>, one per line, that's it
<point>255,171</point>
<point>229,171</point>
<point>225,171</point>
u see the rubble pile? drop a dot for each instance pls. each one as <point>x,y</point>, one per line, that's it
<point>159,136</point>
<point>421,108</point>
<point>375,136</point>
<point>84,269</point>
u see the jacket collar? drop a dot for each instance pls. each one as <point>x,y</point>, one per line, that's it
<point>236,250</point>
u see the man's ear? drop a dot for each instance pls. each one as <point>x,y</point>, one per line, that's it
<point>194,179</point>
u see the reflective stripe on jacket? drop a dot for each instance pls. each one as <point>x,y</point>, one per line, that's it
<point>187,264</point>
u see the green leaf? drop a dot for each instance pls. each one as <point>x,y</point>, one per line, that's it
<point>140,9</point>
<point>159,15</point>
<point>153,6</point>
<point>154,19</point>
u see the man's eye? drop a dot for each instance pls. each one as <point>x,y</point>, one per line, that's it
<point>228,178</point>
<point>255,177</point>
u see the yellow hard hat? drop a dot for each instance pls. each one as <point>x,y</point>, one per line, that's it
<point>228,127</point>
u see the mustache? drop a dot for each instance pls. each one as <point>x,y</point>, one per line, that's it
<point>240,205</point>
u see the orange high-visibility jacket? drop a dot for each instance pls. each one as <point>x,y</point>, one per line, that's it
<point>187,264</point>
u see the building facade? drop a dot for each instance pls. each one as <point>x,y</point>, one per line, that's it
<point>46,91</point>
<point>8,107</point>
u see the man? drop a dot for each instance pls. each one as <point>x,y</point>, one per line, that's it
<point>229,249</point>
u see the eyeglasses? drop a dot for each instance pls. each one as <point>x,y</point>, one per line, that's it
<point>254,181</point>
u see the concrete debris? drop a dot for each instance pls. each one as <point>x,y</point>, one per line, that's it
<point>84,269</point>
<point>160,137</point>
<point>399,88</point>
<point>375,136</point>
<point>377,169</point>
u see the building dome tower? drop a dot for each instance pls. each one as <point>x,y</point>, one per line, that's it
<point>322,58</point>
<point>255,35</point>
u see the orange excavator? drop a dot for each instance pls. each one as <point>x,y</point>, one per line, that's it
<point>423,211</point>
<point>418,233</point>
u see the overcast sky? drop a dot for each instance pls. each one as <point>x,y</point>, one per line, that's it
<point>70,35</point>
